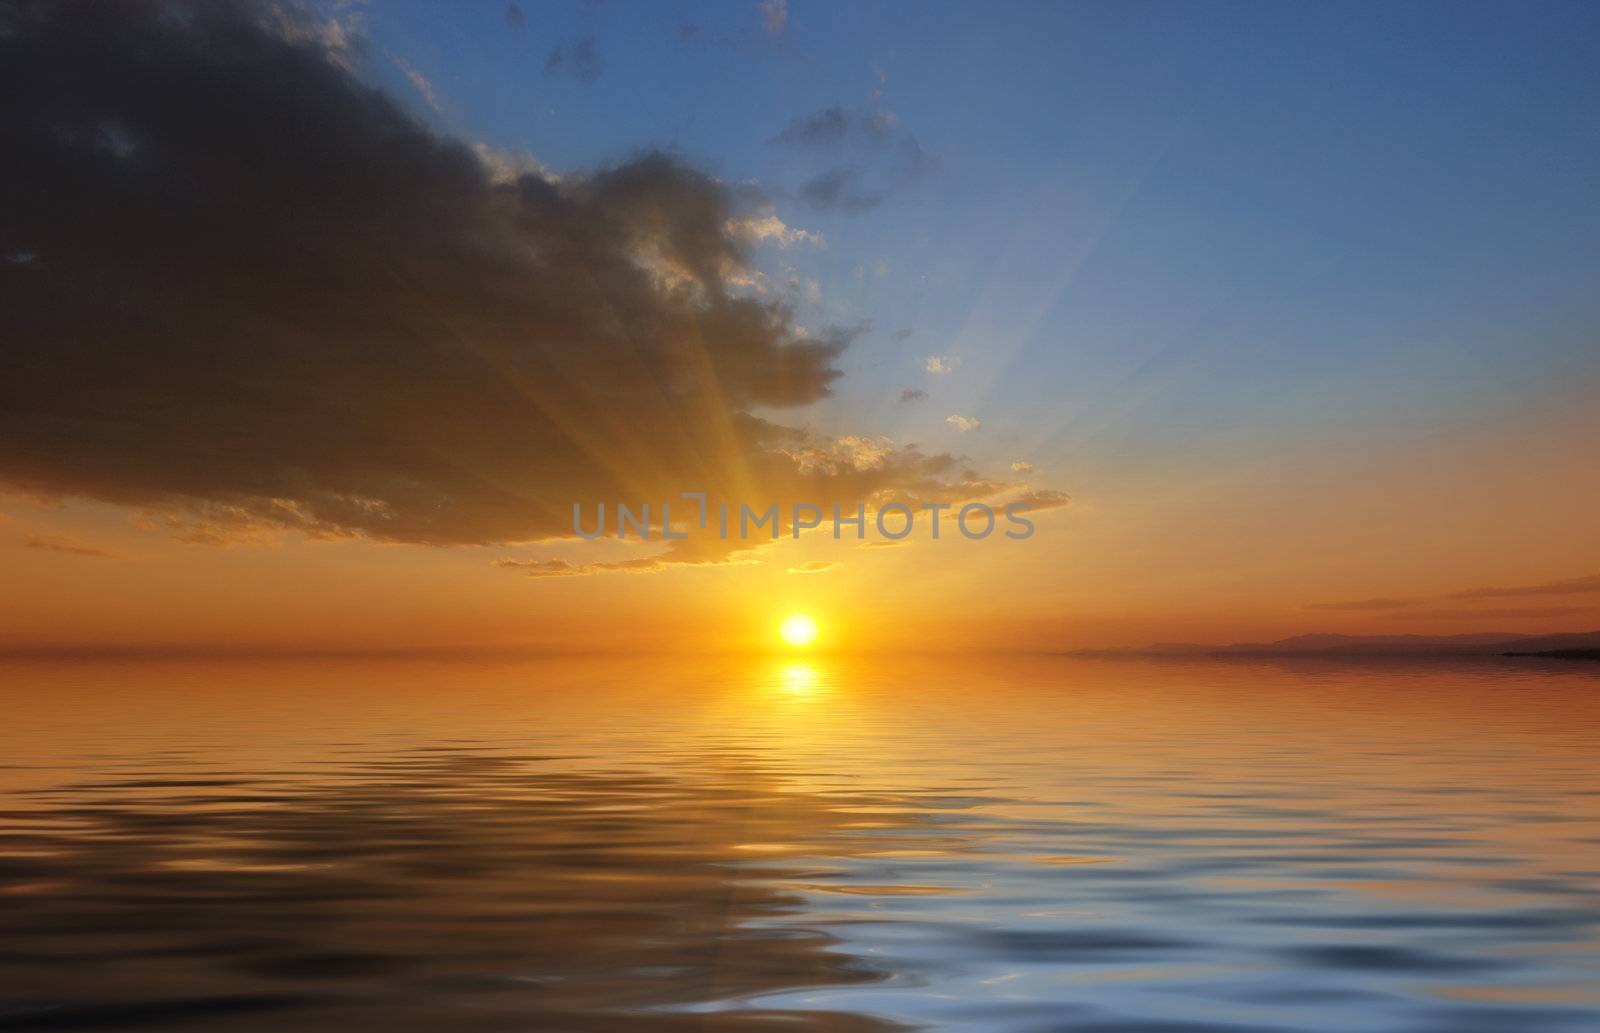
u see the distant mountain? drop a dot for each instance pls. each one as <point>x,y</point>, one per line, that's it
<point>1481,644</point>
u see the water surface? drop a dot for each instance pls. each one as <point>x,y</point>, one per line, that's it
<point>976,844</point>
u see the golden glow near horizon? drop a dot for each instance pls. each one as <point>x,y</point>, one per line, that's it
<point>798,630</point>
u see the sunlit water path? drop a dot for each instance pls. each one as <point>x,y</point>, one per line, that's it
<point>984,844</point>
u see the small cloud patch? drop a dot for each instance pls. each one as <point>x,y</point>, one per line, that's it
<point>1044,498</point>
<point>578,59</point>
<point>70,547</point>
<point>774,16</point>
<point>768,228</point>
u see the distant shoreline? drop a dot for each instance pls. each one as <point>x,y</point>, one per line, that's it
<point>1579,645</point>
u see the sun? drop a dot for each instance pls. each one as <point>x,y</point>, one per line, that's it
<point>798,630</point>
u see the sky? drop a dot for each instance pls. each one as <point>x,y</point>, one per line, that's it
<point>1282,317</point>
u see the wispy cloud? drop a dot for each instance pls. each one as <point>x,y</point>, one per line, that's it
<point>1567,586</point>
<point>913,394</point>
<point>577,58</point>
<point>1044,498</point>
<point>863,156</point>
<point>1589,584</point>
<point>939,365</point>
<point>420,81</point>
<point>767,228</point>
<point>813,567</point>
<point>839,189</point>
<point>774,16</point>
<point>562,568</point>
<point>963,423</point>
<point>825,128</point>
<point>1021,466</point>
<point>70,546</point>
<point>1380,603</point>
<point>1507,613</point>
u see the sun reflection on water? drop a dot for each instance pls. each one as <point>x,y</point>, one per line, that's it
<point>799,679</point>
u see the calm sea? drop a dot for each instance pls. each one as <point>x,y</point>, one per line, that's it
<point>724,845</point>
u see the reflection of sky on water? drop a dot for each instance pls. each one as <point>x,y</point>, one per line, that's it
<point>972,844</point>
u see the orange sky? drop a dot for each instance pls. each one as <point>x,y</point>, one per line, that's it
<point>1218,554</point>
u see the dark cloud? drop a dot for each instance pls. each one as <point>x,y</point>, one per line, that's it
<point>577,58</point>
<point>1568,586</point>
<point>259,294</point>
<point>515,18</point>
<point>913,394</point>
<point>1364,604</point>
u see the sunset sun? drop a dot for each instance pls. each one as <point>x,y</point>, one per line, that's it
<point>798,630</point>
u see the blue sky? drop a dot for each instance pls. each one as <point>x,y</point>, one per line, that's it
<point>1145,227</point>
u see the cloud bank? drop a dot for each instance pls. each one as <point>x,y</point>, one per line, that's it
<point>259,293</point>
